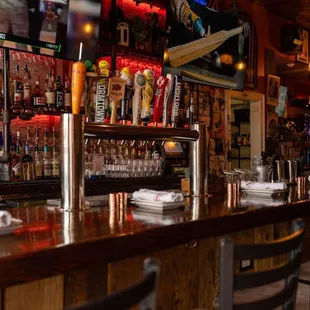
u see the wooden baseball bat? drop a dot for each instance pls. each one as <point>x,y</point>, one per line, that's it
<point>185,53</point>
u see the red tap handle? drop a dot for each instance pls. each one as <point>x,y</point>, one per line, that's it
<point>159,98</point>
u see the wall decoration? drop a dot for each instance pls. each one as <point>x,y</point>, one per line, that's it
<point>273,90</point>
<point>272,125</point>
<point>210,109</point>
<point>304,55</point>
<point>192,29</point>
<point>280,109</point>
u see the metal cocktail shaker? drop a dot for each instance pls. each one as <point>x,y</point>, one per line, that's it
<point>291,171</point>
<point>279,171</point>
<point>262,173</point>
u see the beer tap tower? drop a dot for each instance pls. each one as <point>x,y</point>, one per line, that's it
<point>73,132</point>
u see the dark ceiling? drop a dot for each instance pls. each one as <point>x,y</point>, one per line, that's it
<point>297,11</point>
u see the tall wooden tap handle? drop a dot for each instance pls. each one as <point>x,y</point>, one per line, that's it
<point>78,83</point>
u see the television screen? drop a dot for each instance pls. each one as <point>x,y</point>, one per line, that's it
<point>205,45</point>
<point>54,27</point>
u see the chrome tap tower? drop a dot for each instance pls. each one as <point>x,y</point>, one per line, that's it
<point>72,153</point>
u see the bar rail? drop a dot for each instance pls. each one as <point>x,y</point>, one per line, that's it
<point>128,132</point>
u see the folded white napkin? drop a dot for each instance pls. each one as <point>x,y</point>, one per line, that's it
<point>151,195</point>
<point>5,219</point>
<point>262,185</point>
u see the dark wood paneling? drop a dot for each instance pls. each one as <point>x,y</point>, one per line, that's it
<point>85,284</point>
<point>46,294</point>
<point>51,188</point>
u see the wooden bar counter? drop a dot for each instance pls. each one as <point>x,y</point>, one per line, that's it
<point>59,259</point>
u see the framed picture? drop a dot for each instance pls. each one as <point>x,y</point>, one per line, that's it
<point>304,55</point>
<point>273,90</point>
<point>272,125</point>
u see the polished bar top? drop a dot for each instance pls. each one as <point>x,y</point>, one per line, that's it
<point>51,242</point>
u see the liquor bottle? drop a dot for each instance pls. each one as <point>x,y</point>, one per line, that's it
<point>38,163</point>
<point>38,99</point>
<point>1,144</point>
<point>37,157</point>
<point>98,159</point>
<point>67,95</point>
<point>16,171</point>
<point>27,87</point>
<point>18,88</point>
<point>27,158</point>
<point>50,93</point>
<point>29,141</point>
<point>47,163</point>
<point>59,93</point>
<point>55,163</point>
<point>45,136</point>
<point>19,141</point>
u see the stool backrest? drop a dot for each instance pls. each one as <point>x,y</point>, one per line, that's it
<point>230,282</point>
<point>143,293</point>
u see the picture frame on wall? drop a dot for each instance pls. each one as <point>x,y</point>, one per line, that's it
<point>272,125</point>
<point>273,90</point>
<point>304,55</point>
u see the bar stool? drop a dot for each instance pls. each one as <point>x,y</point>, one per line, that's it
<point>143,293</point>
<point>229,252</point>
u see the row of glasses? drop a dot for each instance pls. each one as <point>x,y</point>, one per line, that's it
<point>134,168</point>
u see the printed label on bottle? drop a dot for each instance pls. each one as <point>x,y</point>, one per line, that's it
<point>27,92</point>
<point>55,169</point>
<point>39,101</point>
<point>48,169</point>
<point>68,99</point>
<point>50,97</point>
<point>18,98</point>
<point>98,163</point>
<point>39,170</point>
<point>59,99</point>
<point>17,170</point>
<point>18,87</point>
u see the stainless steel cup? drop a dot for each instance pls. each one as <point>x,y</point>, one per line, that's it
<point>280,171</point>
<point>262,173</point>
<point>72,162</point>
<point>291,171</point>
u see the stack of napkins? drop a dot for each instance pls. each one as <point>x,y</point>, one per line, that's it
<point>157,201</point>
<point>260,186</point>
<point>151,195</point>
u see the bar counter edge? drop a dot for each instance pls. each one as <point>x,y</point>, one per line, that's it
<point>211,220</point>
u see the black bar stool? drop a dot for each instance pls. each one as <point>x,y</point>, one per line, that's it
<point>143,293</point>
<point>230,282</point>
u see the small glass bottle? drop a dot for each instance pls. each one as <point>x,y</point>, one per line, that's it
<point>67,95</point>
<point>38,163</point>
<point>59,93</point>
<point>27,87</point>
<point>55,163</point>
<point>50,93</point>
<point>47,163</point>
